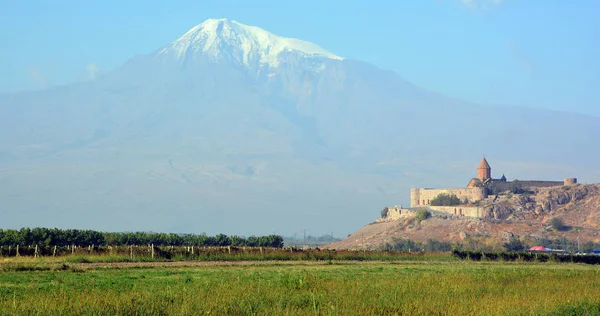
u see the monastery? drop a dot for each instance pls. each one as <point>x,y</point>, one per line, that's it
<point>475,191</point>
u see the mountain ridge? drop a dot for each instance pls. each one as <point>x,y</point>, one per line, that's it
<point>295,145</point>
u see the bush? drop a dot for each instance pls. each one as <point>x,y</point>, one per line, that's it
<point>514,245</point>
<point>492,189</point>
<point>558,224</point>
<point>526,256</point>
<point>384,212</point>
<point>443,199</point>
<point>516,187</point>
<point>422,214</point>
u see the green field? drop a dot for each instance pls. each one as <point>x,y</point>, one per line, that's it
<point>289,288</point>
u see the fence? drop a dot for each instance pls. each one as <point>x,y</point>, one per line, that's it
<point>208,253</point>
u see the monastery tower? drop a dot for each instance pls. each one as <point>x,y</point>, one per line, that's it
<point>484,171</point>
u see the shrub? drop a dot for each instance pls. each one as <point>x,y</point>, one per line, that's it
<point>558,224</point>
<point>526,256</point>
<point>516,187</point>
<point>492,189</point>
<point>384,212</point>
<point>422,214</point>
<point>513,245</point>
<point>443,199</point>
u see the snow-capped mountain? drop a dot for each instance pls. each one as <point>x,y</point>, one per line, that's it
<point>232,129</point>
<point>250,46</point>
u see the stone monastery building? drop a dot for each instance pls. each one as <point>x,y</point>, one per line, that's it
<point>476,189</point>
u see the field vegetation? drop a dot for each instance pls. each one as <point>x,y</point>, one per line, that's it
<point>406,277</point>
<point>294,288</point>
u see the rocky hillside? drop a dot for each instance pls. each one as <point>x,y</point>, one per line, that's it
<point>506,215</point>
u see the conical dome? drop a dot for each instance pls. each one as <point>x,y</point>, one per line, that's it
<point>484,164</point>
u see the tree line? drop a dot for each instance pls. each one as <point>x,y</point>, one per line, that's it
<point>407,245</point>
<point>478,245</point>
<point>571,246</point>
<point>82,238</point>
<point>525,256</point>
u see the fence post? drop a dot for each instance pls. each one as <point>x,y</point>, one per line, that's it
<point>54,252</point>
<point>192,250</point>
<point>229,249</point>
<point>152,251</point>
<point>18,254</point>
<point>35,254</point>
<point>131,252</point>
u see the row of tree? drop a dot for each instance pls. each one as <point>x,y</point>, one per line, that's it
<point>572,246</point>
<point>407,245</point>
<point>66,237</point>
<point>310,240</point>
<point>525,256</point>
<point>473,244</point>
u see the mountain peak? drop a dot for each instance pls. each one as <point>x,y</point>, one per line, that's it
<point>244,44</point>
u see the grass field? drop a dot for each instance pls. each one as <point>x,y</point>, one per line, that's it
<point>308,288</point>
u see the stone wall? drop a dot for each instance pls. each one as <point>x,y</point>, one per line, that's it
<point>541,184</point>
<point>422,197</point>
<point>504,186</point>
<point>395,213</point>
<point>570,181</point>
<point>460,210</point>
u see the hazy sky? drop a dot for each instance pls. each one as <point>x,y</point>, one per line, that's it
<point>538,53</point>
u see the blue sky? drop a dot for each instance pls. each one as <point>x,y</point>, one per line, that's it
<point>536,53</point>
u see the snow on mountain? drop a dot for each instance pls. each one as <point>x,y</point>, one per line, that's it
<point>247,45</point>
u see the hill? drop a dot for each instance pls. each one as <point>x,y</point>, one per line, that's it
<point>233,129</point>
<point>526,216</point>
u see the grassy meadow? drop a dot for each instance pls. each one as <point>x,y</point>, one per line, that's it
<point>445,287</point>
